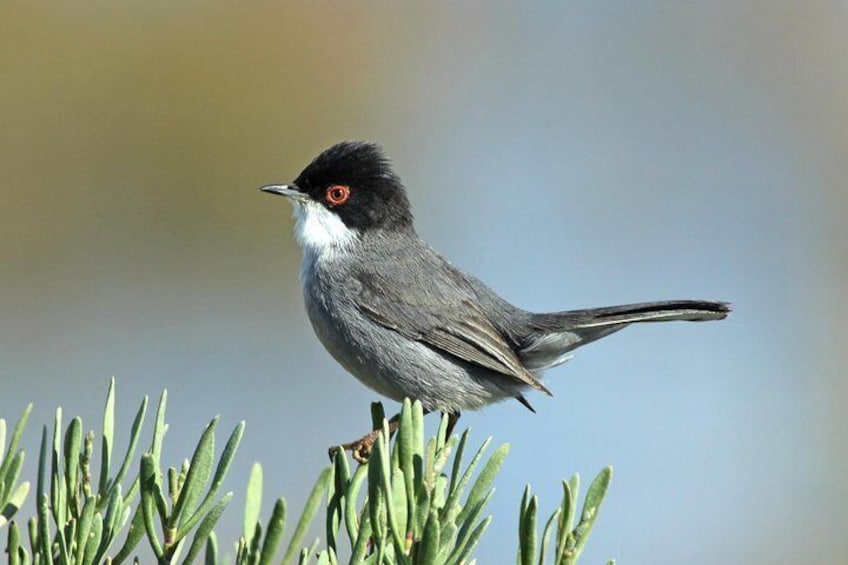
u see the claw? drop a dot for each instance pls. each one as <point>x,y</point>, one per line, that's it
<point>360,449</point>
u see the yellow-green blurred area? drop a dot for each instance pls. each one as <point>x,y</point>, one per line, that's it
<point>570,154</point>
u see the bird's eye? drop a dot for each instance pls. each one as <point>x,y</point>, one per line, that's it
<point>338,194</point>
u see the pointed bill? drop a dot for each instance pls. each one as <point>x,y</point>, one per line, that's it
<point>288,190</point>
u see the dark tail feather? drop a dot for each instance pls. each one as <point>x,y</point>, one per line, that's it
<point>548,338</point>
<point>668,311</point>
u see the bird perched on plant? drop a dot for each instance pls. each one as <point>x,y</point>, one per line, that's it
<point>404,320</point>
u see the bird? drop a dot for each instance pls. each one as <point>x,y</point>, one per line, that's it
<point>404,320</point>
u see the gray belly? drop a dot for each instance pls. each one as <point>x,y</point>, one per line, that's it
<point>395,366</point>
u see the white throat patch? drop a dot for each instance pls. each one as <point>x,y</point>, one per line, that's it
<point>320,232</point>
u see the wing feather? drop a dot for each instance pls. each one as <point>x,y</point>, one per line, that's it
<point>462,331</point>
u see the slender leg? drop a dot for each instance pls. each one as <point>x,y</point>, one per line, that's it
<point>453,418</point>
<point>360,449</point>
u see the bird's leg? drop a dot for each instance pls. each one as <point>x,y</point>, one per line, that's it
<point>453,418</point>
<point>361,448</point>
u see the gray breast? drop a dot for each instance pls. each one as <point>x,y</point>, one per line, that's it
<point>381,358</point>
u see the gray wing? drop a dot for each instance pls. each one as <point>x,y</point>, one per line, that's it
<point>440,312</point>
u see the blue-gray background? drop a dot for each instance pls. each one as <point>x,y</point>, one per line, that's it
<point>571,154</point>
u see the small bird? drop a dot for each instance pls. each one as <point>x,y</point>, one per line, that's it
<point>405,321</point>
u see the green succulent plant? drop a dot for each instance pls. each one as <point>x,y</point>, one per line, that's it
<point>415,501</point>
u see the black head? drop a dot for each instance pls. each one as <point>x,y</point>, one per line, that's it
<point>355,180</point>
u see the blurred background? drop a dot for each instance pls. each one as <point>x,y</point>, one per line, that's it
<point>572,154</point>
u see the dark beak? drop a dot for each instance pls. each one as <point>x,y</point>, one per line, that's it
<point>287,190</point>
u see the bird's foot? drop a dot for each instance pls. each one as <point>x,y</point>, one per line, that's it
<point>360,449</point>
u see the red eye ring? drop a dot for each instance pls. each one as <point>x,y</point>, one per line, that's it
<point>338,194</point>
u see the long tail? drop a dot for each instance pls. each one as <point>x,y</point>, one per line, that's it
<point>550,337</point>
<point>668,311</point>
